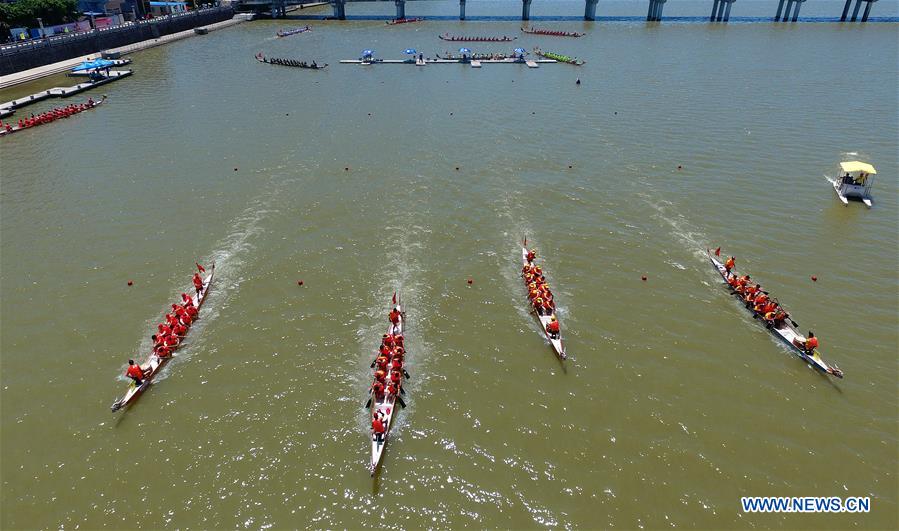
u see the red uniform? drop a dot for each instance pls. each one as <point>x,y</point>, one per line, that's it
<point>134,371</point>
<point>811,343</point>
<point>198,282</point>
<point>377,426</point>
<point>553,327</point>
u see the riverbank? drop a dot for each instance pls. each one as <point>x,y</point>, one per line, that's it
<point>33,74</point>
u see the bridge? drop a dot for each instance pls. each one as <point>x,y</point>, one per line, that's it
<point>720,9</point>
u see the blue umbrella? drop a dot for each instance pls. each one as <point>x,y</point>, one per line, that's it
<point>520,50</point>
<point>91,65</point>
<point>410,51</point>
<point>368,52</point>
<point>464,50</point>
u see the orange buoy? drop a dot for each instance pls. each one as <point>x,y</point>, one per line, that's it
<point>470,281</point>
<point>130,283</point>
<point>643,278</point>
<point>299,282</point>
<point>814,278</point>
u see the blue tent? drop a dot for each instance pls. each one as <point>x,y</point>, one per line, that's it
<point>520,50</point>
<point>367,52</point>
<point>93,65</point>
<point>410,51</point>
<point>464,50</point>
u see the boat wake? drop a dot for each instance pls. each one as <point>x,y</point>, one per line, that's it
<point>229,256</point>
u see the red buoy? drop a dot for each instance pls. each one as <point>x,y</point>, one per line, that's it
<point>470,281</point>
<point>130,283</point>
<point>299,282</point>
<point>643,278</point>
<point>814,278</point>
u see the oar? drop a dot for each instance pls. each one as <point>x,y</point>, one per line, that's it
<point>368,404</point>
<point>406,374</point>
<point>400,400</point>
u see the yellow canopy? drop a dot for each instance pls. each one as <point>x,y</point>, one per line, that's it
<point>858,166</point>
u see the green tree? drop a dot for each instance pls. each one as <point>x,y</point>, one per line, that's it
<point>26,12</point>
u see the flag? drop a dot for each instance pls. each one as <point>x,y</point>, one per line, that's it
<point>201,268</point>
<point>394,297</point>
<point>718,251</point>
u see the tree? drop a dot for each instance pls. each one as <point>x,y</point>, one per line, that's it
<point>26,12</point>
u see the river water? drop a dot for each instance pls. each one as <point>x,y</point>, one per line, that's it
<point>362,181</point>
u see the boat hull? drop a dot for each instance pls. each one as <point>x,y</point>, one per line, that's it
<point>787,334</point>
<point>154,364</point>
<point>543,320</point>
<point>385,405</point>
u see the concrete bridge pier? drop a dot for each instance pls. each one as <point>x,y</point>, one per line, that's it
<point>339,9</point>
<point>721,10</point>
<point>590,10</point>
<point>655,10</point>
<point>400,8</point>
<point>792,5</point>
<point>525,9</point>
<point>858,4</point>
<point>461,9</point>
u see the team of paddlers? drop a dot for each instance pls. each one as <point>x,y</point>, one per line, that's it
<point>286,62</point>
<point>553,33</point>
<point>170,332</point>
<point>49,116</point>
<point>539,294</point>
<point>465,38</point>
<point>389,370</point>
<point>766,308</point>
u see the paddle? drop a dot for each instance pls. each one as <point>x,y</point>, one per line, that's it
<point>406,374</point>
<point>368,404</point>
<point>400,400</point>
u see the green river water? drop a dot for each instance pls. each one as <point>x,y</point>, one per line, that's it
<point>361,181</point>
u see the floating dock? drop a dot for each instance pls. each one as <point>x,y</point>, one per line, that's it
<point>476,63</point>
<point>63,92</point>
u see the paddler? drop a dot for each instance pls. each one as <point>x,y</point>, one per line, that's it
<point>394,316</point>
<point>135,373</point>
<point>377,389</point>
<point>398,339</point>
<point>729,265</point>
<point>381,362</point>
<point>552,327</point>
<point>380,375</point>
<point>377,427</point>
<point>811,343</point>
<point>198,284</point>
<point>531,255</point>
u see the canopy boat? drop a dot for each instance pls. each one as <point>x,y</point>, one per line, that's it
<point>854,180</point>
<point>553,33</point>
<point>545,319</point>
<point>384,405</point>
<point>287,33</point>
<point>403,20</point>
<point>8,129</point>
<point>154,363</point>
<point>559,57</point>
<point>786,331</point>
<point>464,38</point>
<point>293,63</point>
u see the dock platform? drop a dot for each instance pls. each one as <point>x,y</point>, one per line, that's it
<point>64,92</point>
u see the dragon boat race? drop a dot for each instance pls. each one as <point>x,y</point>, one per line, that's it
<point>445,264</point>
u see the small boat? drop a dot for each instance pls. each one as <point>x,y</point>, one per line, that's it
<point>15,128</point>
<point>293,63</point>
<point>385,405</point>
<point>552,33</point>
<point>854,181</point>
<point>787,332</point>
<point>287,33</point>
<point>403,21</point>
<point>559,57</point>
<point>154,363</point>
<point>464,38</point>
<point>544,320</point>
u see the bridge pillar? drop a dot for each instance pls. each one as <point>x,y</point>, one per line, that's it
<point>655,10</point>
<point>339,9</point>
<point>845,10</point>
<point>867,10</point>
<point>858,4</point>
<point>714,9</point>
<point>400,8</point>
<point>525,9</point>
<point>590,10</point>
<point>727,10</point>
<point>461,9</point>
<point>796,11</point>
<point>780,7</point>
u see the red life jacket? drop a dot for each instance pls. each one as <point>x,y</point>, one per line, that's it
<point>134,371</point>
